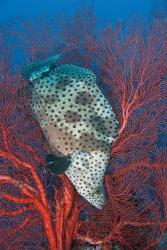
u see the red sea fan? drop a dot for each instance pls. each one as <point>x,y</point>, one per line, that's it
<point>134,69</point>
<point>36,207</point>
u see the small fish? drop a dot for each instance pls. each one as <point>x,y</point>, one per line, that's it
<point>78,121</point>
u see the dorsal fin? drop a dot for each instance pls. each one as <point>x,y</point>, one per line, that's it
<point>34,70</point>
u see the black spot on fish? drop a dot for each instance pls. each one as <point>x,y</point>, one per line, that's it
<point>84,98</point>
<point>57,164</point>
<point>72,117</point>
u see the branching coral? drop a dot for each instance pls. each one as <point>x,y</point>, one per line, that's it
<point>23,193</point>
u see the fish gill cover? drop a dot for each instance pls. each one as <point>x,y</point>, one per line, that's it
<point>41,208</point>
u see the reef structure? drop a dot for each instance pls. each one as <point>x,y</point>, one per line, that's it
<point>78,123</point>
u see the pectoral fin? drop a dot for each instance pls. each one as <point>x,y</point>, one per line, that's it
<point>57,164</point>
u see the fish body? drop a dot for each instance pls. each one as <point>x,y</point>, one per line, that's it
<point>77,121</point>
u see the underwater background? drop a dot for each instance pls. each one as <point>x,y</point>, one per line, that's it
<point>50,51</point>
<point>106,10</point>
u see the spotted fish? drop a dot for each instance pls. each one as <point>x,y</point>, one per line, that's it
<point>77,121</point>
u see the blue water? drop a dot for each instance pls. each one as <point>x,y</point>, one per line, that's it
<point>110,10</point>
